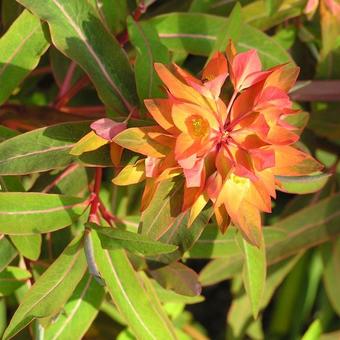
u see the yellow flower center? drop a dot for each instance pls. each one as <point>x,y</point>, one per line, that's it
<point>198,127</point>
<point>239,180</point>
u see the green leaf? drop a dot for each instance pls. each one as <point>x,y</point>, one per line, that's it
<point>114,14</point>
<point>48,148</point>
<point>213,244</point>
<point>196,33</point>
<point>273,6</point>
<point>6,133</point>
<point>10,10</point>
<point>135,243</point>
<point>163,209</point>
<point>239,315</point>
<point>302,184</point>
<point>179,278</point>
<point>28,246</point>
<point>20,50</point>
<point>78,313</point>
<point>77,31</point>
<point>37,213</point>
<point>164,221</point>
<point>331,277</point>
<point>74,184</point>
<point>130,295</point>
<point>11,279</point>
<point>149,50</point>
<point>7,253</point>
<point>166,296</point>
<point>230,29</point>
<point>307,228</point>
<point>326,123</point>
<point>255,13</point>
<point>254,274</point>
<point>52,289</point>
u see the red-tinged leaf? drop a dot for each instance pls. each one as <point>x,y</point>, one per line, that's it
<point>107,128</point>
<point>178,278</point>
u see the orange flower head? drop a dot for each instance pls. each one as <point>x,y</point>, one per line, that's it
<point>228,152</point>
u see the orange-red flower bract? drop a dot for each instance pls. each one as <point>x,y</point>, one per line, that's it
<point>228,152</point>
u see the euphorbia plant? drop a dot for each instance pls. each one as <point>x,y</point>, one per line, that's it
<point>229,150</point>
<point>133,145</point>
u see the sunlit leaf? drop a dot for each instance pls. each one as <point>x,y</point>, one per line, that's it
<point>79,311</point>
<point>37,212</point>
<point>47,148</point>
<point>48,295</point>
<point>11,279</point>
<point>136,243</point>
<point>21,48</point>
<point>302,184</point>
<point>130,295</point>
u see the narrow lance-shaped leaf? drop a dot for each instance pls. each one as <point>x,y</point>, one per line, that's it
<point>113,14</point>
<point>79,312</point>
<point>240,315</point>
<point>37,213</point>
<point>77,31</point>
<point>129,295</point>
<point>20,50</point>
<point>135,243</point>
<point>149,50</point>
<point>305,229</point>
<point>254,273</point>
<point>330,257</point>
<point>52,289</point>
<point>48,148</point>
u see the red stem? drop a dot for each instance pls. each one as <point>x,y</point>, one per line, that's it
<point>64,99</point>
<point>91,111</point>
<point>123,38</point>
<point>64,174</point>
<point>68,79</point>
<point>95,201</point>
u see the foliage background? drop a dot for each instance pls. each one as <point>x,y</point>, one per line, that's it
<point>68,64</point>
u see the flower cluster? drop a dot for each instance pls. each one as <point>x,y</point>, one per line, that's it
<point>229,151</point>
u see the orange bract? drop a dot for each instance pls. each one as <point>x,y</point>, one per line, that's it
<point>229,153</point>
